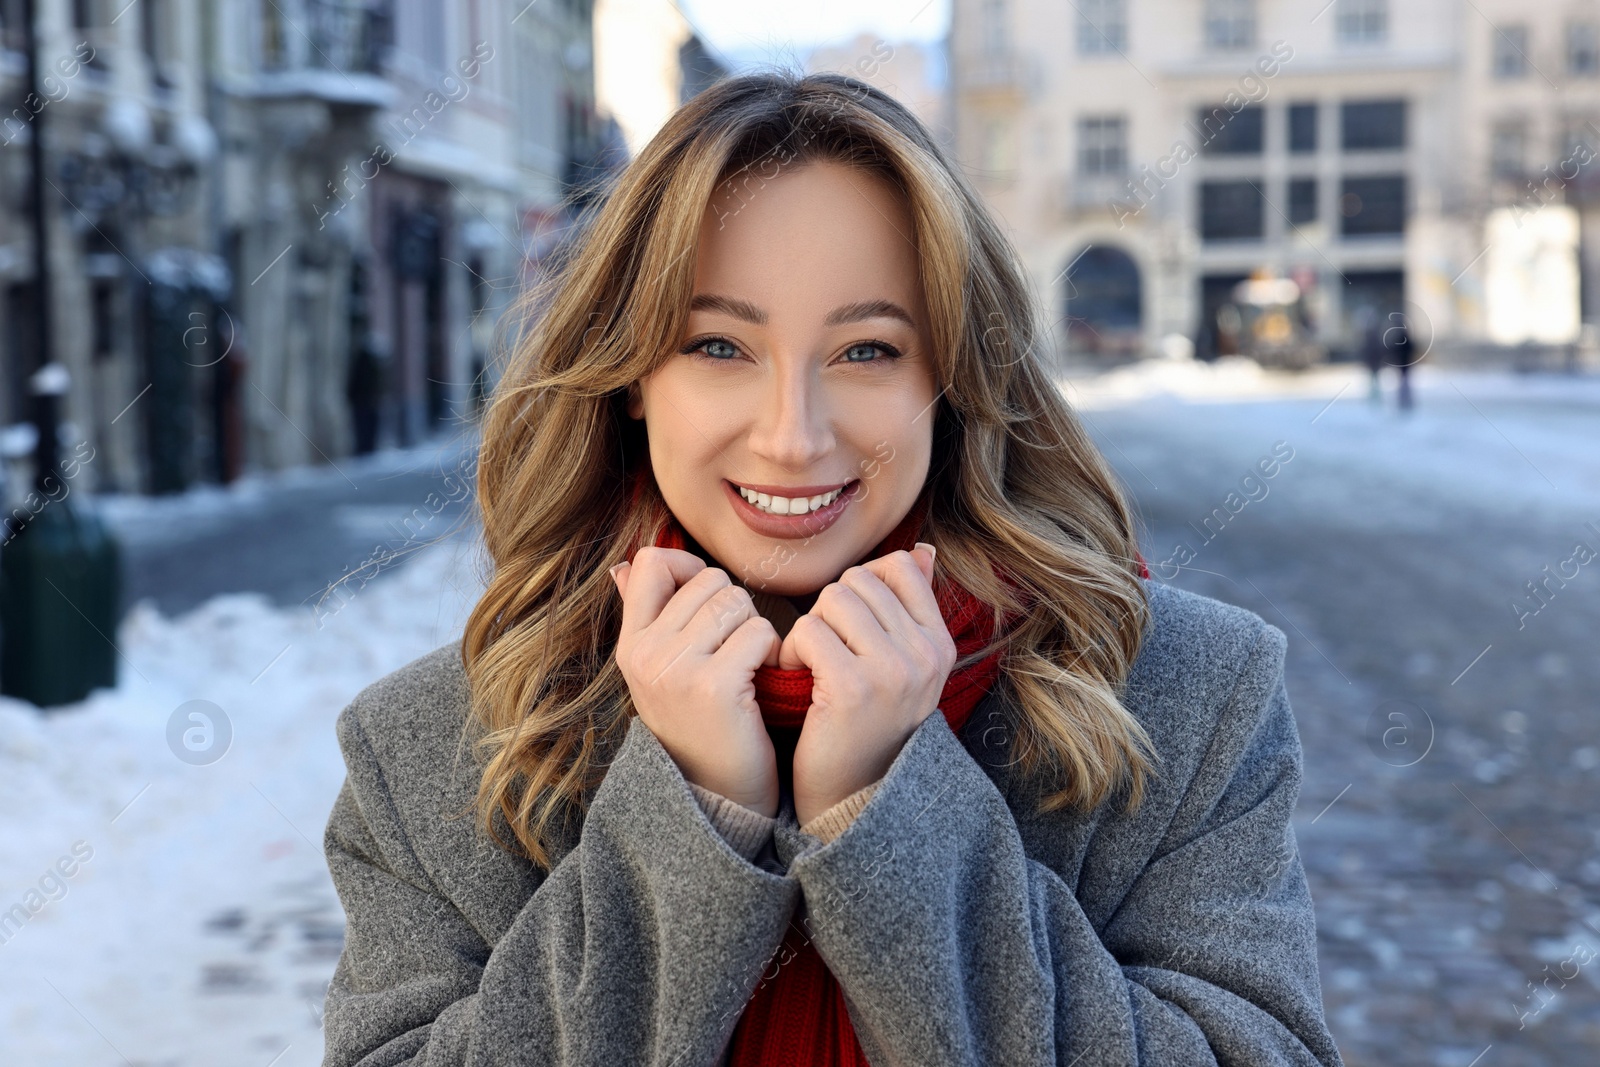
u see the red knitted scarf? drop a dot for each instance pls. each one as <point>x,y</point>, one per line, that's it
<point>798,1017</point>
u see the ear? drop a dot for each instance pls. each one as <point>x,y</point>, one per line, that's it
<point>635,402</point>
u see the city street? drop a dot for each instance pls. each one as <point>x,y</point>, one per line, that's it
<point>1452,751</point>
<point>267,266</point>
<point>291,535</point>
<point>1452,759</point>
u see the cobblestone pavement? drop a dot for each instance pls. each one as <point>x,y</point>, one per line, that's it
<point>1447,819</point>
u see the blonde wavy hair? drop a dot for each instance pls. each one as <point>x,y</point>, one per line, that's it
<point>1016,482</point>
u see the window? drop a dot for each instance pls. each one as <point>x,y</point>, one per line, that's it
<point>11,24</point>
<point>1302,127</point>
<point>155,29</point>
<point>1224,133</point>
<point>88,25</point>
<point>1373,206</point>
<point>1511,51</point>
<point>1372,125</point>
<point>1302,200</point>
<point>1102,145</point>
<point>274,40</point>
<point>541,126</point>
<point>1583,49</point>
<point>1230,211</point>
<point>103,318</point>
<point>993,18</point>
<point>1362,21</point>
<point>1102,27</point>
<point>1507,149</point>
<point>1230,24</point>
<point>1580,144</point>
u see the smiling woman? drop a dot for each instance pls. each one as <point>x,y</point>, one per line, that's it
<point>755,780</point>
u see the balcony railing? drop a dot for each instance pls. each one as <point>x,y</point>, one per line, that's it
<point>345,36</point>
<point>994,71</point>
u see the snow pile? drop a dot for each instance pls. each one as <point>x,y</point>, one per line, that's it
<point>159,909</point>
<point>1234,378</point>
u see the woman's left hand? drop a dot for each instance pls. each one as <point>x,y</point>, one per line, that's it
<point>879,653</point>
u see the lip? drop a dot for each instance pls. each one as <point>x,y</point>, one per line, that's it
<point>790,526</point>
<point>793,491</point>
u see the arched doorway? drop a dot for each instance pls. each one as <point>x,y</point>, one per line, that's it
<point>1102,301</point>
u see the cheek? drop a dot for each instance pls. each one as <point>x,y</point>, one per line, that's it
<point>893,444</point>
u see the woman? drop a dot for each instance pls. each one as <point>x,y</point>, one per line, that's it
<point>750,787</point>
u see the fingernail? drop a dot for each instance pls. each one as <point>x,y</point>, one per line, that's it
<point>617,568</point>
<point>932,552</point>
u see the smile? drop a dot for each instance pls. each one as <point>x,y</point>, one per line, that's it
<point>784,505</point>
<point>776,515</point>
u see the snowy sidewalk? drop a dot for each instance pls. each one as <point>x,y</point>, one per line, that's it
<point>198,925</point>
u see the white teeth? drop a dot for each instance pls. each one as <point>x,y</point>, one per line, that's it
<point>782,505</point>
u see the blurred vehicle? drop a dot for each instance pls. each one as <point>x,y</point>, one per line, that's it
<point>1266,322</point>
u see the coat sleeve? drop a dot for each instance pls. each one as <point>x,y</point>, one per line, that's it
<point>954,947</point>
<point>640,946</point>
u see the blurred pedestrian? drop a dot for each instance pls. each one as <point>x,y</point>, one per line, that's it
<point>227,387</point>
<point>1398,352</point>
<point>364,389</point>
<point>1370,334</point>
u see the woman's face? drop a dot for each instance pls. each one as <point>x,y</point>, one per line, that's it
<point>804,367</point>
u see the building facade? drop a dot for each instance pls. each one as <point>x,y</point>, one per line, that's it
<point>1416,161</point>
<point>129,154</point>
<point>281,231</point>
<point>392,155</point>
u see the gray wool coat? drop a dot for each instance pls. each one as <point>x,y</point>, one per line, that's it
<point>963,926</point>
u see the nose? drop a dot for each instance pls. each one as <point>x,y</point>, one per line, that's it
<point>793,424</point>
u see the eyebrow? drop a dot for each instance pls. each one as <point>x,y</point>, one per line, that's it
<point>743,309</point>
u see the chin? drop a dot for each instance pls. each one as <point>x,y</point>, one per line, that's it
<point>773,567</point>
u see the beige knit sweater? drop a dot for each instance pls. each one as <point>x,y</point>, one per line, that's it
<point>747,830</point>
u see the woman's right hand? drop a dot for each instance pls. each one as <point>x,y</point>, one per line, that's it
<point>690,644</point>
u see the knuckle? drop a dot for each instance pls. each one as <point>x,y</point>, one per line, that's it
<point>715,577</point>
<point>729,600</point>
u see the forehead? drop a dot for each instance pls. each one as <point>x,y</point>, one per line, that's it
<point>820,230</point>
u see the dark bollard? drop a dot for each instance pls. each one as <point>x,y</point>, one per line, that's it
<point>60,582</point>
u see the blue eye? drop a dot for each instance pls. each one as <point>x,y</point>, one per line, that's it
<point>710,349</point>
<point>889,353</point>
<point>716,348</point>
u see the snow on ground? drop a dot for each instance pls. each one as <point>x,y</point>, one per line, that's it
<point>201,928</point>
<point>1531,439</point>
<point>1234,378</point>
